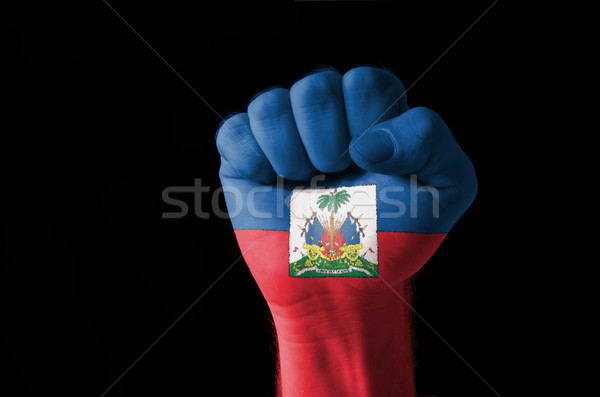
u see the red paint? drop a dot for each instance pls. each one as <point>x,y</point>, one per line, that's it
<point>332,248</point>
<point>341,336</point>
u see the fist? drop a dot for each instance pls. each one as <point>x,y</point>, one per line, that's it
<point>338,192</point>
<point>336,182</point>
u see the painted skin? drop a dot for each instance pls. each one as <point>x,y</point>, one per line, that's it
<point>342,336</point>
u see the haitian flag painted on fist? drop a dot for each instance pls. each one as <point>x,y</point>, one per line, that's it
<point>333,232</point>
<point>338,193</point>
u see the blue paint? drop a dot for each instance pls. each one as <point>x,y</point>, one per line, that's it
<point>296,135</point>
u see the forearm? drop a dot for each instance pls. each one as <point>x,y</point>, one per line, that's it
<point>346,352</point>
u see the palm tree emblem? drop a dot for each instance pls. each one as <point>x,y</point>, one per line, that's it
<point>333,201</point>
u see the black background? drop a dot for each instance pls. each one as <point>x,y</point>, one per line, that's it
<point>96,126</point>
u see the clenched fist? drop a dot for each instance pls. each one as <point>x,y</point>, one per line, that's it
<point>338,192</point>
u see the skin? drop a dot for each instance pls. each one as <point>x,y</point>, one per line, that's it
<point>343,336</point>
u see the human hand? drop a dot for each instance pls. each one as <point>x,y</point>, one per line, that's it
<point>345,147</point>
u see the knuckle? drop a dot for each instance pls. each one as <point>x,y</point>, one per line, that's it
<point>317,89</point>
<point>236,120</point>
<point>269,104</point>
<point>369,81</point>
<point>230,132</point>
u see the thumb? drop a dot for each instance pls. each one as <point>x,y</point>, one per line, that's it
<point>416,142</point>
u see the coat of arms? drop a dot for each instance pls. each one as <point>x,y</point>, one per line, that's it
<point>333,232</point>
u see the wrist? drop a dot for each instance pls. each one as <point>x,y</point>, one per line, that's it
<point>345,349</point>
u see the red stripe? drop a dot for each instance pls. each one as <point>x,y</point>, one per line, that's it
<point>341,336</point>
<point>267,254</point>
